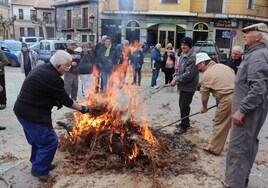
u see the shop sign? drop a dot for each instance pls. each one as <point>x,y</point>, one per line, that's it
<point>168,20</point>
<point>223,23</point>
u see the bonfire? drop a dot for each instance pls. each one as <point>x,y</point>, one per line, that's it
<point>116,135</point>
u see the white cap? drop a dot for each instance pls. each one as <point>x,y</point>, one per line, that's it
<point>200,57</point>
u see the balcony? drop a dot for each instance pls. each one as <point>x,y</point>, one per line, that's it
<point>74,24</point>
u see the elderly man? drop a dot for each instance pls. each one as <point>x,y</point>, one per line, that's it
<point>42,89</point>
<point>186,77</point>
<point>217,79</point>
<point>155,64</point>
<point>236,58</point>
<point>250,106</point>
<point>71,77</point>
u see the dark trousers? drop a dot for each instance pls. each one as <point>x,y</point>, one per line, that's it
<point>44,142</point>
<point>137,73</point>
<point>169,76</point>
<point>185,100</point>
<point>3,95</point>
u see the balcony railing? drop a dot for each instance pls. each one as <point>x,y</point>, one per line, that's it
<point>76,23</point>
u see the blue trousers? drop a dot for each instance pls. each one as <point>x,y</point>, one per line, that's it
<point>44,142</point>
<point>155,73</point>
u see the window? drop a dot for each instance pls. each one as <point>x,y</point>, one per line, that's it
<point>169,1</point>
<point>69,18</point>
<point>31,31</point>
<point>47,17</point>
<point>214,6</point>
<point>251,4</point>
<point>33,14</point>
<point>126,5</point>
<point>21,14</point>
<point>85,17</point>
<point>22,31</point>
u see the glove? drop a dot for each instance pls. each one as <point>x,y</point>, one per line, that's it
<point>84,109</point>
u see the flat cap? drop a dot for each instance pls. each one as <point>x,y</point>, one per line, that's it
<point>256,27</point>
<point>70,42</point>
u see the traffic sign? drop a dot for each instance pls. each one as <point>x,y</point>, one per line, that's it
<point>233,33</point>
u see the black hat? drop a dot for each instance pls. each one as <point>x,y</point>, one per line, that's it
<point>24,44</point>
<point>188,41</point>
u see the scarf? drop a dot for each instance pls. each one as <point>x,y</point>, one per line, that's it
<point>107,53</point>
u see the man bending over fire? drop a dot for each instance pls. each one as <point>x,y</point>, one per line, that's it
<point>41,91</point>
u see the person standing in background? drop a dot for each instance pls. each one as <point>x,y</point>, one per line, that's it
<point>86,68</point>
<point>169,63</point>
<point>1,127</point>
<point>27,58</point>
<point>97,52</point>
<point>3,95</point>
<point>137,60</point>
<point>107,62</point>
<point>235,59</point>
<point>71,77</point>
<point>155,64</point>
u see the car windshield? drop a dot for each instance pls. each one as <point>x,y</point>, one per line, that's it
<point>60,46</point>
<point>204,48</point>
<point>15,46</point>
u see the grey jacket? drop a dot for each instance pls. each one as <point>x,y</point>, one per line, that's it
<point>251,82</point>
<point>186,73</point>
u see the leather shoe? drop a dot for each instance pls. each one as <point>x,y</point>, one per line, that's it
<point>2,128</point>
<point>2,106</point>
<point>43,178</point>
<point>52,166</point>
<point>209,151</point>
<point>180,131</point>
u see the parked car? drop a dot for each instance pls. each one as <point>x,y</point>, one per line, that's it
<point>35,47</point>
<point>211,49</point>
<point>49,47</point>
<point>11,49</point>
<point>30,40</point>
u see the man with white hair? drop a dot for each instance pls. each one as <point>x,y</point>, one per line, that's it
<point>249,108</point>
<point>217,79</point>
<point>43,89</point>
<point>236,58</point>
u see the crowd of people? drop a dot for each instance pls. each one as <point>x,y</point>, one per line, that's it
<point>240,89</point>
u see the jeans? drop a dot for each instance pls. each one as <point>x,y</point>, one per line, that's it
<point>105,81</point>
<point>44,142</point>
<point>155,73</point>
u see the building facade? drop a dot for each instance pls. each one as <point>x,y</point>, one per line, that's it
<point>77,20</point>
<point>6,20</point>
<point>167,21</point>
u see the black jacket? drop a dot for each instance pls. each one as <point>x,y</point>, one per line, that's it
<point>86,63</point>
<point>42,89</point>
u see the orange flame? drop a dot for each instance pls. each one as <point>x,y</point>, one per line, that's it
<point>117,91</point>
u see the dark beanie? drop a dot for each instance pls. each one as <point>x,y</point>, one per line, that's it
<point>188,41</point>
<point>24,44</point>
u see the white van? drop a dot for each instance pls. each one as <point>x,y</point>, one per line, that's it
<point>49,47</point>
<point>30,40</point>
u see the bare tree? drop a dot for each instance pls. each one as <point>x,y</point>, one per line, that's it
<point>6,23</point>
<point>42,23</point>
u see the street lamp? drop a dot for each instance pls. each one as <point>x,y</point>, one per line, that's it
<point>232,34</point>
<point>91,21</point>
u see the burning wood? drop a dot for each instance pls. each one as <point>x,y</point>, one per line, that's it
<point>113,138</point>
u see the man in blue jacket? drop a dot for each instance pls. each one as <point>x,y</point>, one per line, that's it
<point>156,64</point>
